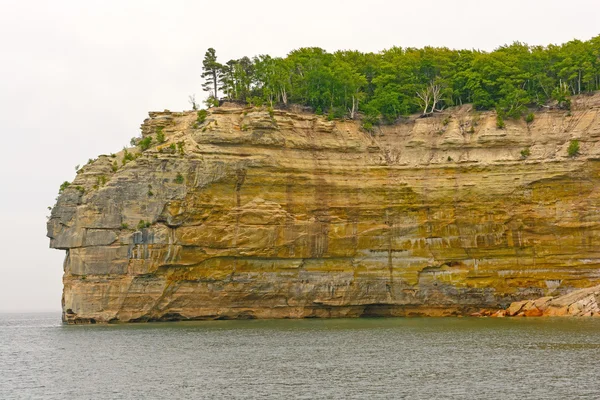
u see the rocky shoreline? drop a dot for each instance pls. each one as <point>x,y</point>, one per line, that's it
<point>579,303</point>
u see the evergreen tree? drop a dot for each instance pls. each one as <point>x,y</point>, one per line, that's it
<point>211,73</point>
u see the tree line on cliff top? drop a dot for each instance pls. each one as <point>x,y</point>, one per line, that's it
<point>400,81</point>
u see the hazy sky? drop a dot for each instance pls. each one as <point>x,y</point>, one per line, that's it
<point>77,78</point>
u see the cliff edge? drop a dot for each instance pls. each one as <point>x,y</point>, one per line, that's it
<point>256,213</point>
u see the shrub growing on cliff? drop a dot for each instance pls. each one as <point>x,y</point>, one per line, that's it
<point>179,178</point>
<point>367,127</point>
<point>160,135</point>
<point>145,143</point>
<point>500,122</point>
<point>573,149</point>
<point>63,186</point>
<point>127,156</point>
<point>529,118</point>
<point>143,224</point>
<point>525,153</point>
<point>201,116</point>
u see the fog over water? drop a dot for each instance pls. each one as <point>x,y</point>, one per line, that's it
<point>78,77</point>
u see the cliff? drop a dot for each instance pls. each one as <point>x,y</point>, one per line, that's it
<point>281,214</point>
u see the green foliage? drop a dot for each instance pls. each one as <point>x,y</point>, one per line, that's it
<point>500,122</point>
<point>201,116</point>
<point>63,186</point>
<point>101,180</point>
<point>114,166</point>
<point>525,153</point>
<point>212,72</point>
<point>145,143</point>
<point>124,226</point>
<point>134,141</point>
<point>160,135</point>
<point>180,148</point>
<point>143,224</point>
<point>127,156</point>
<point>77,167</point>
<point>211,102</point>
<point>172,147</point>
<point>573,149</point>
<point>179,178</point>
<point>529,118</point>
<point>400,81</point>
<point>80,189</point>
<point>367,126</point>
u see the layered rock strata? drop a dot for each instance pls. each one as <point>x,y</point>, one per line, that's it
<point>579,303</point>
<point>254,213</point>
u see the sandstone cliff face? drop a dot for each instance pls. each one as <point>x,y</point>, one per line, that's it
<point>288,215</point>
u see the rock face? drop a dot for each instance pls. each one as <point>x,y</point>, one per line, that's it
<point>579,303</point>
<point>281,214</point>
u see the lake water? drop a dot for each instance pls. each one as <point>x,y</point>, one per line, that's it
<point>418,358</point>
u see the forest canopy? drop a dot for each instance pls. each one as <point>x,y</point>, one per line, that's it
<point>400,81</point>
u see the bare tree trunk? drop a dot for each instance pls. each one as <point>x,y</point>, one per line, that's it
<point>354,106</point>
<point>214,74</point>
<point>283,96</point>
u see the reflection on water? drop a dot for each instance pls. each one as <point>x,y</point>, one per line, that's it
<point>422,358</point>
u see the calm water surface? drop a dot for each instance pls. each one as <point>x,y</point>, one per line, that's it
<point>424,358</point>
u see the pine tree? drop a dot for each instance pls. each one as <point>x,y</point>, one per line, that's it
<point>211,73</point>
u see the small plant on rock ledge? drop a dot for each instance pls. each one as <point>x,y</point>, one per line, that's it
<point>529,118</point>
<point>525,153</point>
<point>181,148</point>
<point>160,135</point>
<point>500,122</point>
<point>145,143</point>
<point>143,224</point>
<point>573,149</point>
<point>179,178</point>
<point>127,156</point>
<point>63,186</point>
<point>201,116</point>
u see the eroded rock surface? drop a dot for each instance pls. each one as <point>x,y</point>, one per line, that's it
<point>579,303</point>
<point>252,214</point>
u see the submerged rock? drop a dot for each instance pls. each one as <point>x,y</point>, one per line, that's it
<point>256,214</point>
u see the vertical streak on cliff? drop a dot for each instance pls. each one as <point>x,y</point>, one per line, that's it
<point>389,250</point>
<point>289,234</point>
<point>241,177</point>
